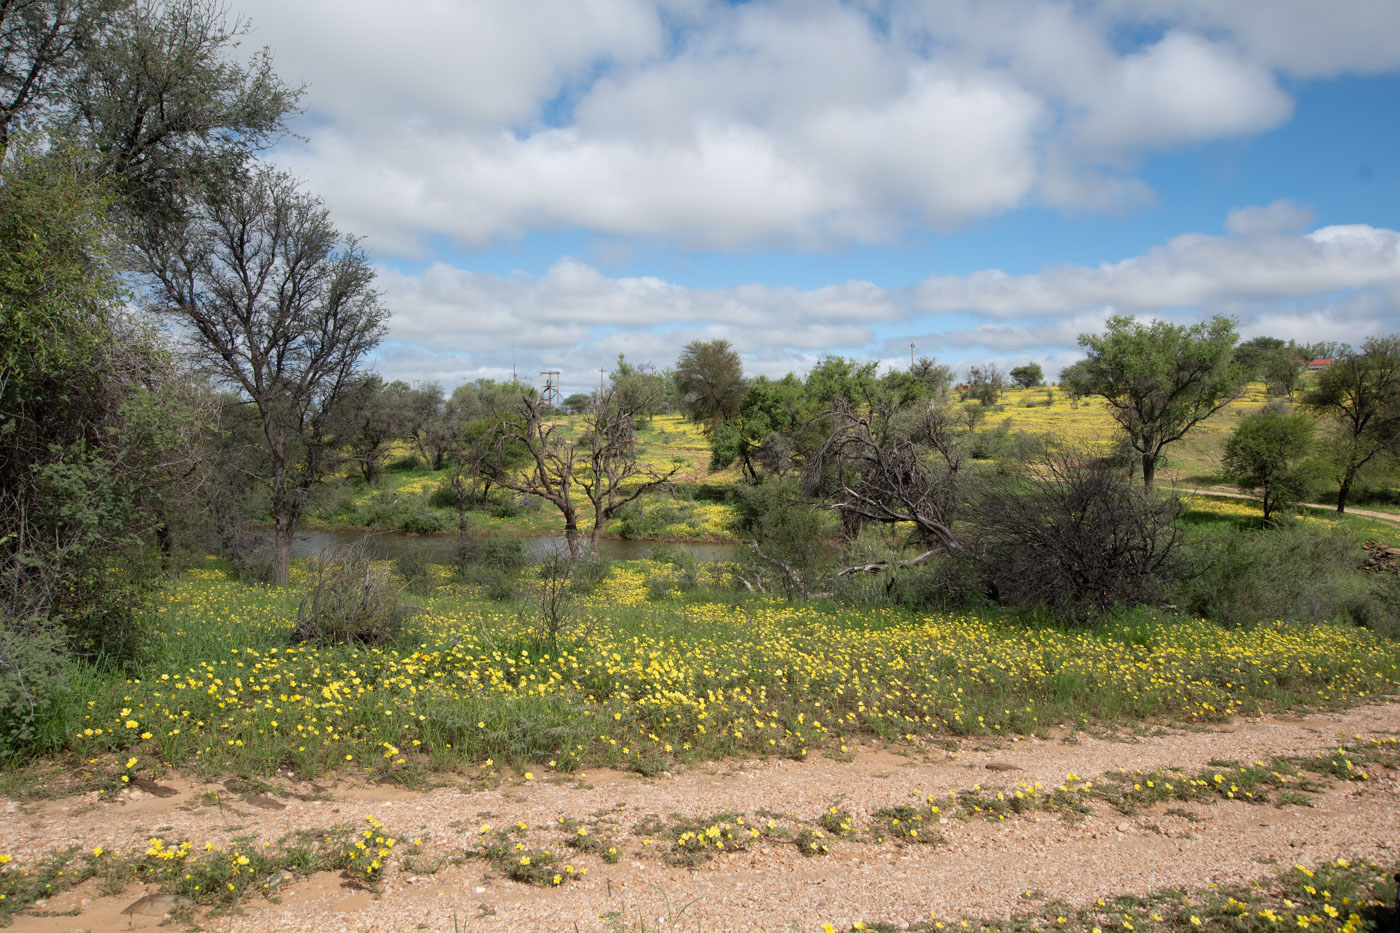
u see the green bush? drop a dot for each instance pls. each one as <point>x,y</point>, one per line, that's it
<point>34,669</point>
<point>1298,572</point>
<point>443,496</point>
<point>494,563</point>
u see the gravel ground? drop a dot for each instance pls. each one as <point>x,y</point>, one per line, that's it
<point>986,868</point>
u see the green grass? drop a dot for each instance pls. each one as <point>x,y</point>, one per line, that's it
<point>662,681</point>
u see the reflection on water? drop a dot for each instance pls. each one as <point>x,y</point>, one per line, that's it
<point>441,549</point>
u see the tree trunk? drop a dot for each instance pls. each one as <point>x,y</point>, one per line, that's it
<point>1342,492</point>
<point>1149,470</point>
<point>571,536</point>
<point>282,556</point>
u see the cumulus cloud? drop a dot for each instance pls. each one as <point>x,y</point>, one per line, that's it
<point>1282,216</point>
<point>1334,283</point>
<point>806,125</point>
<point>1192,270</point>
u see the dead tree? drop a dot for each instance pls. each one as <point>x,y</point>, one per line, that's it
<point>600,472</point>
<point>614,477</point>
<point>878,473</point>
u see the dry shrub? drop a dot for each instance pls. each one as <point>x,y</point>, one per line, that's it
<point>1072,535</point>
<point>350,600</point>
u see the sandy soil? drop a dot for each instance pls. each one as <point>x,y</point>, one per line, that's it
<point>986,868</point>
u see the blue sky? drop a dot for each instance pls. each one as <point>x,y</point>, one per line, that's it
<point>556,182</point>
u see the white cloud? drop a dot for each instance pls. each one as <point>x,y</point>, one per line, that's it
<point>805,125</point>
<point>1192,270</point>
<point>1181,90</point>
<point>1335,283</point>
<point>1280,217</point>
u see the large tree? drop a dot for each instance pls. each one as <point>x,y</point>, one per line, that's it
<point>1160,379</point>
<point>281,307</point>
<point>710,379</point>
<point>1360,393</point>
<point>152,87</point>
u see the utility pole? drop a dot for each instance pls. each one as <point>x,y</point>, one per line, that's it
<point>911,356</point>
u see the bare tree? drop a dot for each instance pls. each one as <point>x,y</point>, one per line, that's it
<point>599,472</point>
<point>890,474</point>
<point>278,306</point>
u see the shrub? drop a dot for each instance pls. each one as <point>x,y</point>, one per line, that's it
<point>1298,572</point>
<point>350,600</point>
<point>493,563</point>
<point>789,533</point>
<point>562,579</point>
<point>1072,535</point>
<point>33,684</point>
<point>416,570</point>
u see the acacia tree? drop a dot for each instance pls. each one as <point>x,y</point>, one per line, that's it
<point>151,87</point>
<point>1360,393</point>
<point>1266,452</point>
<point>279,306</point>
<point>599,472</point>
<point>710,380</point>
<point>1161,380</point>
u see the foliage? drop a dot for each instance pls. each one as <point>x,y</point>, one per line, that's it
<point>1267,453</point>
<point>350,600</point>
<point>709,378</point>
<point>1360,394</point>
<point>280,308</point>
<point>985,384</point>
<point>34,674</point>
<point>639,390</point>
<point>1028,376</point>
<point>1071,535</point>
<point>1161,379</point>
<point>786,536</point>
<point>93,416</point>
<point>1302,572</point>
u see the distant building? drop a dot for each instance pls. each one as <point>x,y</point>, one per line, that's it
<point>1318,364</point>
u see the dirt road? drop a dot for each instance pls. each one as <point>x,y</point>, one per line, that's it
<point>983,868</point>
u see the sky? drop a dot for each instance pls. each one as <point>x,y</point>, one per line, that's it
<point>547,184</point>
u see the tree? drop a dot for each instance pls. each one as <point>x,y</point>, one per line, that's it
<point>1161,379</point>
<point>1360,394</point>
<point>1028,376</point>
<point>577,403</point>
<point>153,88</point>
<point>639,389</point>
<point>277,305</point>
<point>378,414</point>
<point>42,45</point>
<point>600,471</point>
<point>1266,453</point>
<point>1253,354</point>
<point>985,384</point>
<point>1282,368</point>
<point>93,412</point>
<point>935,375</point>
<point>710,379</point>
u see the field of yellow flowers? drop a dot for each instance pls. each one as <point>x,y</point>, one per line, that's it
<point>666,678</point>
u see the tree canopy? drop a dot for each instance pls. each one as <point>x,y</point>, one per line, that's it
<point>1160,379</point>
